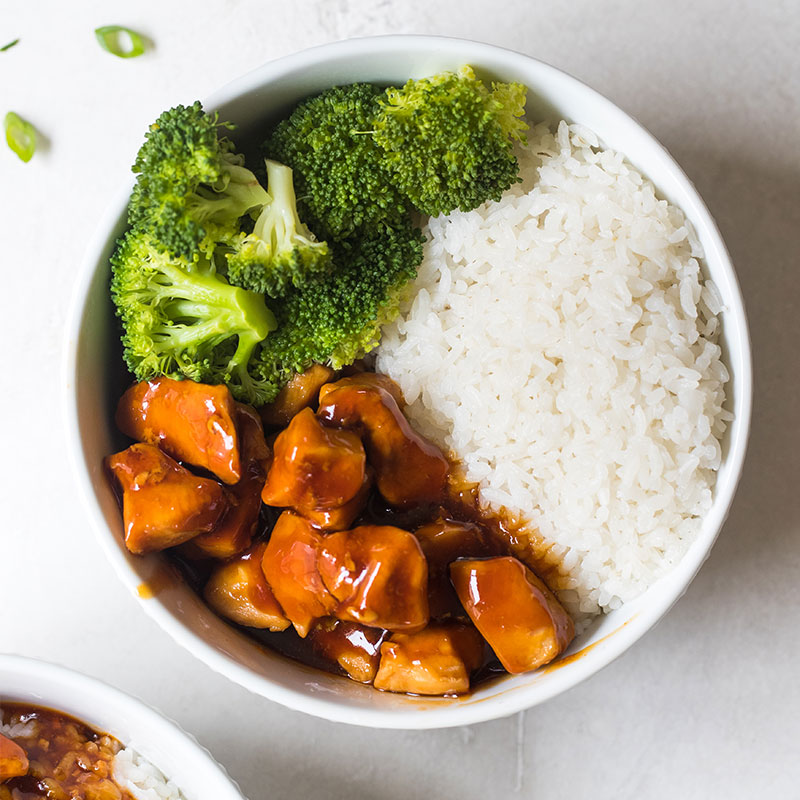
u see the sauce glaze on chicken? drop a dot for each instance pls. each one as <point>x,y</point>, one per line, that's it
<point>341,538</point>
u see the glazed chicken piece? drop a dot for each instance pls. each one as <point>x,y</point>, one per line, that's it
<point>290,567</point>
<point>13,761</point>
<point>366,380</point>
<point>314,468</point>
<point>163,504</point>
<point>517,614</point>
<point>408,469</point>
<point>301,392</point>
<point>378,575</point>
<point>355,648</point>
<point>190,421</point>
<point>251,437</point>
<point>443,542</point>
<point>238,591</point>
<point>342,517</point>
<point>236,529</point>
<point>437,660</point>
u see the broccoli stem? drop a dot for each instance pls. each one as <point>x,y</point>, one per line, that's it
<point>227,308</point>
<point>244,187</point>
<point>237,192</point>
<point>278,221</point>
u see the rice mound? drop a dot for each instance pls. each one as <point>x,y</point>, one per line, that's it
<point>143,780</point>
<point>561,344</point>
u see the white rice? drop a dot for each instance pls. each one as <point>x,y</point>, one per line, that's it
<point>19,730</point>
<point>138,776</point>
<point>561,343</point>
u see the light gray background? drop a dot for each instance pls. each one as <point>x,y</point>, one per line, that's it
<point>707,705</point>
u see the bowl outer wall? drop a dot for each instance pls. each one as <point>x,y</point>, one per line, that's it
<point>273,88</point>
<point>161,741</point>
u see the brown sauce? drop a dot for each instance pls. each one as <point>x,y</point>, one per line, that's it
<point>499,534</point>
<point>67,759</point>
<point>409,485</point>
<point>514,534</point>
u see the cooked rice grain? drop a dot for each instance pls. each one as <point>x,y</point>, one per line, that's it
<point>562,343</point>
<point>142,779</point>
<point>18,729</point>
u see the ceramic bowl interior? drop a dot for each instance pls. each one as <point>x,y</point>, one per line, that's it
<point>94,380</point>
<point>179,757</point>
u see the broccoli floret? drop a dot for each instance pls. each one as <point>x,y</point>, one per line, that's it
<point>190,179</point>
<point>281,252</point>
<point>362,157</point>
<point>337,319</point>
<point>182,320</point>
<point>342,179</point>
<point>448,139</point>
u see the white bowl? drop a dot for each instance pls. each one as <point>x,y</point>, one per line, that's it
<point>92,367</point>
<point>177,754</point>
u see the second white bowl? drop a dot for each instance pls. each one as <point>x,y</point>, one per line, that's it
<point>107,710</point>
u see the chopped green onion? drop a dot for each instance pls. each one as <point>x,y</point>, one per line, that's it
<point>119,41</point>
<point>20,135</point>
<point>8,46</point>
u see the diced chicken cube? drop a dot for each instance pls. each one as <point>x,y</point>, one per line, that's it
<point>365,380</point>
<point>290,567</point>
<point>436,661</point>
<point>514,611</point>
<point>314,467</point>
<point>378,575</point>
<point>342,517</point>
<point>355,648</point>
<point>238,591</point>
<point>446,540</point>
<point>192,422</point>
<point>253,443</point>
<point>13,761</point>
<point>408,468</point>
<point>163,504</point>
<point>443,542</point>
<point>236,529</point>
<point>301,392</point>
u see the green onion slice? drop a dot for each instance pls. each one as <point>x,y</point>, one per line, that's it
<point>120,41</point>
<point>8,46</point>
<point>20,135</point>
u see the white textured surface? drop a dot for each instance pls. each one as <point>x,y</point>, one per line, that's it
<point>707,704</point>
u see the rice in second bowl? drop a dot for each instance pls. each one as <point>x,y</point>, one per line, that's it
<point>562,345</point>
<point>82,761</point>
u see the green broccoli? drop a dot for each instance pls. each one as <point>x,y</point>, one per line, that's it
<point>183,320</point>
<point>190,278</point>
<point>191,181</point>
<point>448,139</point>
<point>337,319</point>
<point>281,252</point>
<point>342,179</point>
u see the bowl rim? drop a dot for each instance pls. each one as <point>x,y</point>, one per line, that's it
<point>55,686</point>
<point>517,698</point>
